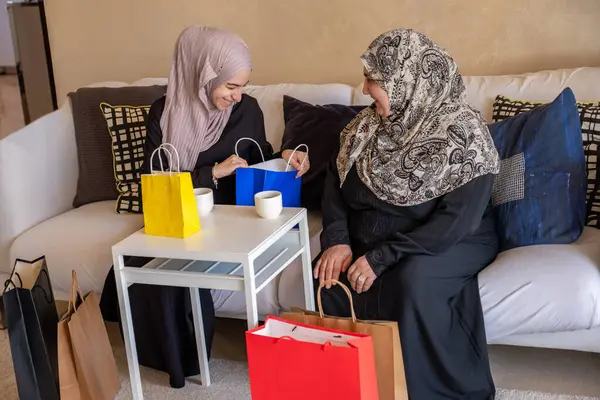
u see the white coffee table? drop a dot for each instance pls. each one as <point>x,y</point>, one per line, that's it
<point>235,250</point>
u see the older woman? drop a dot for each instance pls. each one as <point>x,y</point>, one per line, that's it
<point>407,216</point>
<point>203,114</point>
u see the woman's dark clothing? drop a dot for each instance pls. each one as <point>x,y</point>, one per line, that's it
<point>246,120</point>
<point>427,258</point>
<point>162,315</point>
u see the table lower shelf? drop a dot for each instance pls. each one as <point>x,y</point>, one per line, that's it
<point>215,274</point>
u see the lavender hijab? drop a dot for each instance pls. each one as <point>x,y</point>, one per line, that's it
<point>204,59</point>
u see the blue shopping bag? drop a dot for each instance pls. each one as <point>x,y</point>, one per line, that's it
<point>275,175</point>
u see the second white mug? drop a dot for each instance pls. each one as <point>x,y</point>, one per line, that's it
<point>204,200</point>
<point>269,204</point>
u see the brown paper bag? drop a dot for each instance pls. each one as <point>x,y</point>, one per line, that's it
<point>389,365</point>
<point>86,365</point>
<point>67,375</point>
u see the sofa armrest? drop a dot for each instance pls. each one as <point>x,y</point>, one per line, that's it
<point>38,176</point>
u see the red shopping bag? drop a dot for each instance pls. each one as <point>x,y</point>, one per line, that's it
<point>289,360</point>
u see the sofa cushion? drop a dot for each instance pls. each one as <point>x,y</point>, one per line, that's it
<point>536,86</point>
<point>542,170</point>
<point>543,289</point>
<point>270,100</point>
<point>318,127</point>
<point>96,181</point>
<point>127,129</point>
<point>589,118</point>
<point>79,239</point>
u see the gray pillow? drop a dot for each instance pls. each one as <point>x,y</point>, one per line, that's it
<point>96,180</point>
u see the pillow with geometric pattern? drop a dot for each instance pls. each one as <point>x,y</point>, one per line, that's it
<point>127,129</point>
<point>589,116</point>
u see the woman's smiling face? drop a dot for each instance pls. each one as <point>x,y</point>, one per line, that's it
<point>231,91</point>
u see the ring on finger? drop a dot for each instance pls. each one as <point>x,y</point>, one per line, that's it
<point>360,283</point>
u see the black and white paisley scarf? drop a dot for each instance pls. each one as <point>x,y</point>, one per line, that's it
<point>432,142</point>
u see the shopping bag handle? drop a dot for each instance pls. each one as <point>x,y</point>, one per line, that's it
<point>286,338</point>
<point>252,140</point>
<point>292,156</point>
<point>49,296</point>
<point>9,282</point>
<point>320,304</point>
<point>75,290</point>
<point>162,168</point>
<point>163,147</point>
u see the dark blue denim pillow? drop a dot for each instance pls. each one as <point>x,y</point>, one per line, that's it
<point>539,194</point>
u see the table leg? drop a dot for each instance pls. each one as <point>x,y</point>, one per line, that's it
<point>200,338</point>
<point>128,334</point>
<point>307,272</point>
<point>250,290</point>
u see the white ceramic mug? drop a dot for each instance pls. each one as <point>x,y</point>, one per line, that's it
<point>268,204</point>
<point>204,200</point>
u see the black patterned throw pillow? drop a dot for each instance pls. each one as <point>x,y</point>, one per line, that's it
<point>589,115</point>
<point>127,129</point>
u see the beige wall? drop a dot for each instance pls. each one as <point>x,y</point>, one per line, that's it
<point>318,40</point>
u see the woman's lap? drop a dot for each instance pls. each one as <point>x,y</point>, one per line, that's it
<point>417,276</point>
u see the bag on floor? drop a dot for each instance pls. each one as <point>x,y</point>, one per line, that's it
<point>86,363</point>
<point>275,175</point>
<point>293,361</point>
<point>389,364</point>
<point>168,201</point>
<point>31,319</point>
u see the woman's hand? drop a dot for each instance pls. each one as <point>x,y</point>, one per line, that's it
<point>333,261</point>
<point>361,275</point>
<point>297,161</point>
<point>228,167</point>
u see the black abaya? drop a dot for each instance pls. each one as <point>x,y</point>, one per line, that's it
<point>426,259</point>
<point>162,315</point>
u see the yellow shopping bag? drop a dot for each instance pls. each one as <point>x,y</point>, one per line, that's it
<point>168,200</point>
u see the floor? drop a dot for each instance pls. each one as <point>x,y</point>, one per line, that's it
<point>553,371</point>
<point>11,114</point>
<point>519,373</point>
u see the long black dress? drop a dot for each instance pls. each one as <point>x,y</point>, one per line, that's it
<point>426,259</point>
<point>162,315</point>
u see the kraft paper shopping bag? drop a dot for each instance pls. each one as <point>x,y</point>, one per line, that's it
<point>389,364</point>
<point>275,175</point>
<point>295,361</point>
<point>87,367</point>
<point>168,200</point>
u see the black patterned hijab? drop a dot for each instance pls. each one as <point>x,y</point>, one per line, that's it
<point>432,142</point>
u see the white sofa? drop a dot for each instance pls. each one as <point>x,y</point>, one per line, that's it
<point>541,296</point>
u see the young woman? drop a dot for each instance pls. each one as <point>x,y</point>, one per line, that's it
<point>407,216</point>
<point>203,115</point>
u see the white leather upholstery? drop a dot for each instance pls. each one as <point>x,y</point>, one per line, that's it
<point>543,289</point>
<point>79,239</point>
<point>270,99</point>
<point>546,296</point>
<point>540,86</point>
<point>38,176</point>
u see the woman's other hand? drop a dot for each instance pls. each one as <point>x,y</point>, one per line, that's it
<point>333,261</point>
<point>299,160</point>
<point>361,275</point>
<point>228,167</point>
